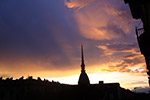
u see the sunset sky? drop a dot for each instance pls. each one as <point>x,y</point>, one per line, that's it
<point>42,38</point>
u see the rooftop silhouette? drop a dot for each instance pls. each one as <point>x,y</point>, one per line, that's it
<point>37,89</point>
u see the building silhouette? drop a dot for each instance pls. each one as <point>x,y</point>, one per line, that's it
<point>140,9</point>
<point>83,79</point>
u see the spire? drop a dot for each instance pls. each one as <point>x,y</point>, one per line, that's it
<point>83,79</point>
<point>82,59</point>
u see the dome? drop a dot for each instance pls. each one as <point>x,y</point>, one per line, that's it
<point>83,79</point>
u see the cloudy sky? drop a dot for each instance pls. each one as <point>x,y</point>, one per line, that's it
<point>43,38</point>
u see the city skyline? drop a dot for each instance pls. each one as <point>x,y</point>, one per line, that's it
<point>43,38</point>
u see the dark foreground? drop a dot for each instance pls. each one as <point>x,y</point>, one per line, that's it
<point>31,89</point>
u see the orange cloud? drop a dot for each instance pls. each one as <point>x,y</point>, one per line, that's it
<point>36,68</point>
<point>77,3</point>
<point>130,61</point>
<point>118,47</point>
<point>133,66</point>
<point>100,20</point>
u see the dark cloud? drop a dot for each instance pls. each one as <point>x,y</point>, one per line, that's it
<point>134,61</point>
<point>122,47</point>
<point>130,56</point>
<point>141,89</point>
<point>114,30</point>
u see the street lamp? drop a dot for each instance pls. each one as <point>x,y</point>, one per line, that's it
<point>140,9</point>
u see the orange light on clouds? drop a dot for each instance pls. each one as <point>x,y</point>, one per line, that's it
<point>93,18</point>
<point>77,3</point>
